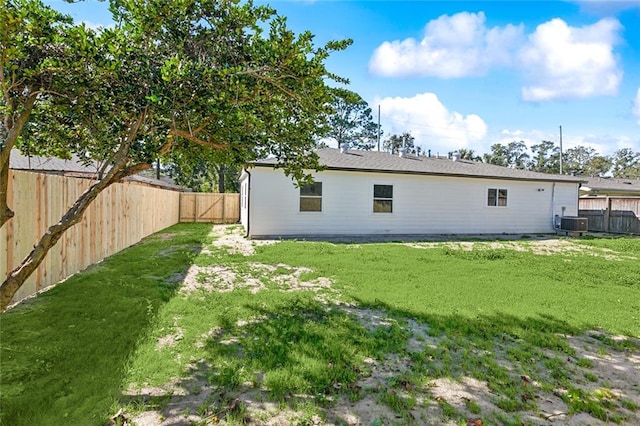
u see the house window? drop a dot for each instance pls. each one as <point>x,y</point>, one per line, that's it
<point>311,197</point>
<point>497,197</point>
<point>382,198</point>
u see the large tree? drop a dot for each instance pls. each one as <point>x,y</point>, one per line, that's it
<point>497,156</point>
<point>546,158</point>
<point>170,75</point>
<point>586,161</point>
<point>351,120</point>
<point>598,165</point>
<point>513,155</point>
<point>42,60</point>
<point>397,142</point>
<point>468,154</point>
<point>626,164</point>
<point>203,170</point>
<point>576,159</point>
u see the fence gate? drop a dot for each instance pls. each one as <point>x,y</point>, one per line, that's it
<point>208,207</point>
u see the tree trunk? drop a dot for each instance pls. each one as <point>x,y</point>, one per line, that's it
<point>13,127</point>
<point>30,263</point>
<point>5,212</point>
<point>221,178</point>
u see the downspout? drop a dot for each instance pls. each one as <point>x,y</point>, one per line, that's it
<point>554,222</point>
<point>578,199</point>
<point>248,202</point>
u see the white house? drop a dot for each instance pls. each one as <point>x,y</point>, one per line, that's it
<point>375,193</point>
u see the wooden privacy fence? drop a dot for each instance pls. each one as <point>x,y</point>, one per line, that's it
<point>207,207</point>
<point>611,214</point>
<point>120,216</point>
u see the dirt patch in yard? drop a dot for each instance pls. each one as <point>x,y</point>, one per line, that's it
<point>232,239</point>
<point>543,247</point>
<point>261,276</point>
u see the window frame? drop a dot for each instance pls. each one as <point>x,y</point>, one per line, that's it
<point>497,197</point>
<point>384,199</point>
<point>306,197</point>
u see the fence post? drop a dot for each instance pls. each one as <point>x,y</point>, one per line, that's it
<point>195,207</point>
<point>607,214</point>
<point>224,208</point>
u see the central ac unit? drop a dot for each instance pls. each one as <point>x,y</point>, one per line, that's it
<point>573,223</point>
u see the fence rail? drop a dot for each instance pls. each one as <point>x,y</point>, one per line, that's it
<point>207,207</point>
<point>611,214</point>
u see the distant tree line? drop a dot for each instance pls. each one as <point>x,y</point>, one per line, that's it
<point>350,121</point>
<point>545,158</point>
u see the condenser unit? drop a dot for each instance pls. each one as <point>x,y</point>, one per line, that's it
<point>573,224</point>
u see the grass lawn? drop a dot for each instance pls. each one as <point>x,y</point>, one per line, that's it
<point>196,325</point>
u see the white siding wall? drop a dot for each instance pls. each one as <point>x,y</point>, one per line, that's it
<point>421,205</point>
<point>244,199</point>
<point>566,195</point>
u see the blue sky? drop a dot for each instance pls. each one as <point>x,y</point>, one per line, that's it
<point>471,74</point>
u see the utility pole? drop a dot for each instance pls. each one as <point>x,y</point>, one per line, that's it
<point>378,128</point>
<point>560,149</point>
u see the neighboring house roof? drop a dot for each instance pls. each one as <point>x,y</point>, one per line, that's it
<point>18,161</point>
<point>75,168</point>
<point>160,183</point>
<point>383,162</point>
<point>611,186</point>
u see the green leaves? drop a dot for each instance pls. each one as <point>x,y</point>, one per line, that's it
<point>350,120</point>
<point>199,71</point>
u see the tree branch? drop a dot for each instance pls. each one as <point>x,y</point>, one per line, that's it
<point>193,138</point>
<point>13,134</point>
<point>73,216</point>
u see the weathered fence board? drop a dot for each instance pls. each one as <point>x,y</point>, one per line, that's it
<point>120,216</point>
<point>611,214</point>
<point>208,207</point>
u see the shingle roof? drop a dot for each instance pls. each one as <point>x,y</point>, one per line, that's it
<point>18,161</point>
<point>597,184</point>
<point>74,167</point>
<point>373,161</point>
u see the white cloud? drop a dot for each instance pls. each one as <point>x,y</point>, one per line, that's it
<point>564,62</point>
<point>558,61</point>
<point>636,106</point>
<point>453,46</point>
<point>605,144</point>
<point>432,125</point>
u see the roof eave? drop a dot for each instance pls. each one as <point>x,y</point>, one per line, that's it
<point>411,172</point>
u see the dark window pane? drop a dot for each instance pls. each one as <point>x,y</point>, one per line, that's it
<point>502,197</point>
<point>382,206</point>
<point>491,198</point>
<point>314,189</point>
<point>308,204</point>
<point>382,191</point>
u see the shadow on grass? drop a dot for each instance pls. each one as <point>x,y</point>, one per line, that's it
<point>312,359</point>
<point>63,353</point>
<point>305,355</point>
